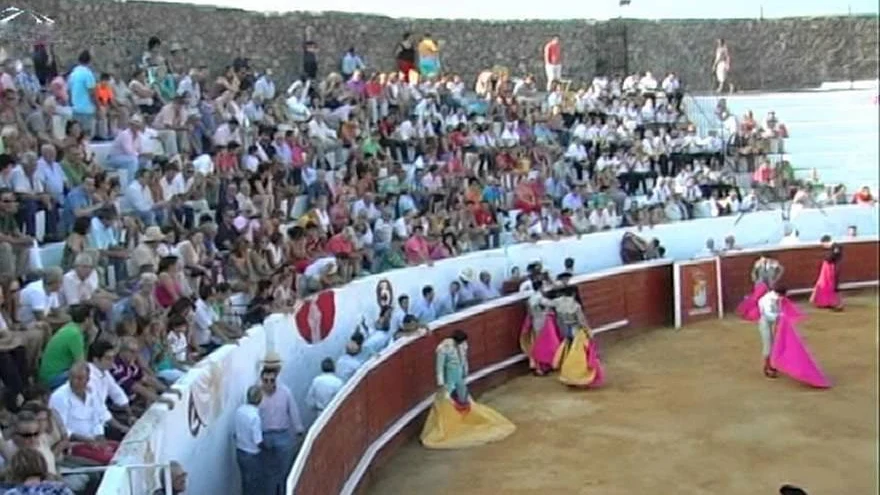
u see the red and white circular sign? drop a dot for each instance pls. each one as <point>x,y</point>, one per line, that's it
<point>315,316</point>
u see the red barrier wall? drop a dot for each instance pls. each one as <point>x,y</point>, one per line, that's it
<point>642,296</point>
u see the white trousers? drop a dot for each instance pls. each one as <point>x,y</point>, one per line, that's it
<point>554,73</point>
<point>765,327</point>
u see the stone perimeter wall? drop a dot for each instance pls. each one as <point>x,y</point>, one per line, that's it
<point>770,54</point>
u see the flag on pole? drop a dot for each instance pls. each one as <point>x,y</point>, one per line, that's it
<point>624,3</point>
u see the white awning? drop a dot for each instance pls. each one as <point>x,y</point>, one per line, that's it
<point>12,15</point>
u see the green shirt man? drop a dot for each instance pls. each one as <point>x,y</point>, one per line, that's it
<point>66,347</point>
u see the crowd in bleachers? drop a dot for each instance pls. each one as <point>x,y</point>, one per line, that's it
<point>191,203</point>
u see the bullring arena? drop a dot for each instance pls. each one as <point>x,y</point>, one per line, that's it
<point>683,411</point>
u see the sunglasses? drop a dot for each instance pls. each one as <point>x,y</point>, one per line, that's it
<point>28,434</point>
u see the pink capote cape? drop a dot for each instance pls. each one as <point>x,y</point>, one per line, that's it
<point>748,308</point>
<point>824,294</point>
<point>789,354</point>
<point>546,342</point>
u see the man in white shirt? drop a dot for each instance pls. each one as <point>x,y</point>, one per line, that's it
<point>324,387</point>
<point>769,305</point>
<point>80,285</point>
<point>321,135</point>
<point>483,290</point>
<point>139,199</point>
<point>190,86</point>
<point>647,83</point>
<point>104,387</point>
<point>366,204</point>
<point>172,182</point>
<point>264,87</point>
<point>348,363</point>
<point>211,332</point>
<point>249,442</point>
<point>30,187</point>
<point>399,313</point>
<point>38,299</point>
<point>226,133</point>
<point>426,307</point>
<point>80,411</point>
<point>282,426</point>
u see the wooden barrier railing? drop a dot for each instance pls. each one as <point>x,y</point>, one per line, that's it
<point>382,405</point>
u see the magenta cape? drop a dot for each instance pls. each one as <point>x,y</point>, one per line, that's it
<point>594,363</point>
<point>824,292</point>
<point>748,308</point>
<point>790,355</point>
<point>546,343</point>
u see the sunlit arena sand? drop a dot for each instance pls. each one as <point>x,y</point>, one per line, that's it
<point>683,412</point>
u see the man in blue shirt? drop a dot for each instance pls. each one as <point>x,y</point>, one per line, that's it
<point>426,308</point>
<point>81,83</point>
<point>79,202</point>
<point>351,62</point>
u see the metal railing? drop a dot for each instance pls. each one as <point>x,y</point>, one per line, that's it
<point>89,470</point>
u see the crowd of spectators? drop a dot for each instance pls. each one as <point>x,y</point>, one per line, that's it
<point>190,204</point>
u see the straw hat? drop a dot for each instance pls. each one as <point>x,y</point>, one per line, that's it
<point>466,275</point>
<point>153,234</point>
<point>272,360</point>
<point>9,340</point>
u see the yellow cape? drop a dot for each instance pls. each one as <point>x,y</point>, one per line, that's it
<point>571,361</point>
<point>448,428</point>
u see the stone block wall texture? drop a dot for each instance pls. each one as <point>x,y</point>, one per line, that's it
<point>767,54</point>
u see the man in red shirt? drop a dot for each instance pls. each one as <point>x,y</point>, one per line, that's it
<point>553,61</point>
<point>484,218</point>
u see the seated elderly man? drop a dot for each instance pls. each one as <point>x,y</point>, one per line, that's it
<point>80,285</point>
<point>84,417</point>
<point>33,197</point>
<point>46,123</point>
<point>40,300</point>
<point>172,125</point>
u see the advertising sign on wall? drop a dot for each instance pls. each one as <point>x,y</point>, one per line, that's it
<point>697,291</point>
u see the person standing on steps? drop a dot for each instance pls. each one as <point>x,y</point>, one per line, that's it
<point>721,67</point>
<point>310,60</point>
<point>553,61</point>
<point>406,56</point>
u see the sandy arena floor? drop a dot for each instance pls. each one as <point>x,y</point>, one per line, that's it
<point>683,412</point>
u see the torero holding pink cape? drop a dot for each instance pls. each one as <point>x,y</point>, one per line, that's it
<point>766,273</point>
<point>540,337</point>
<point>826,293</point>
<point>782,348</point>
